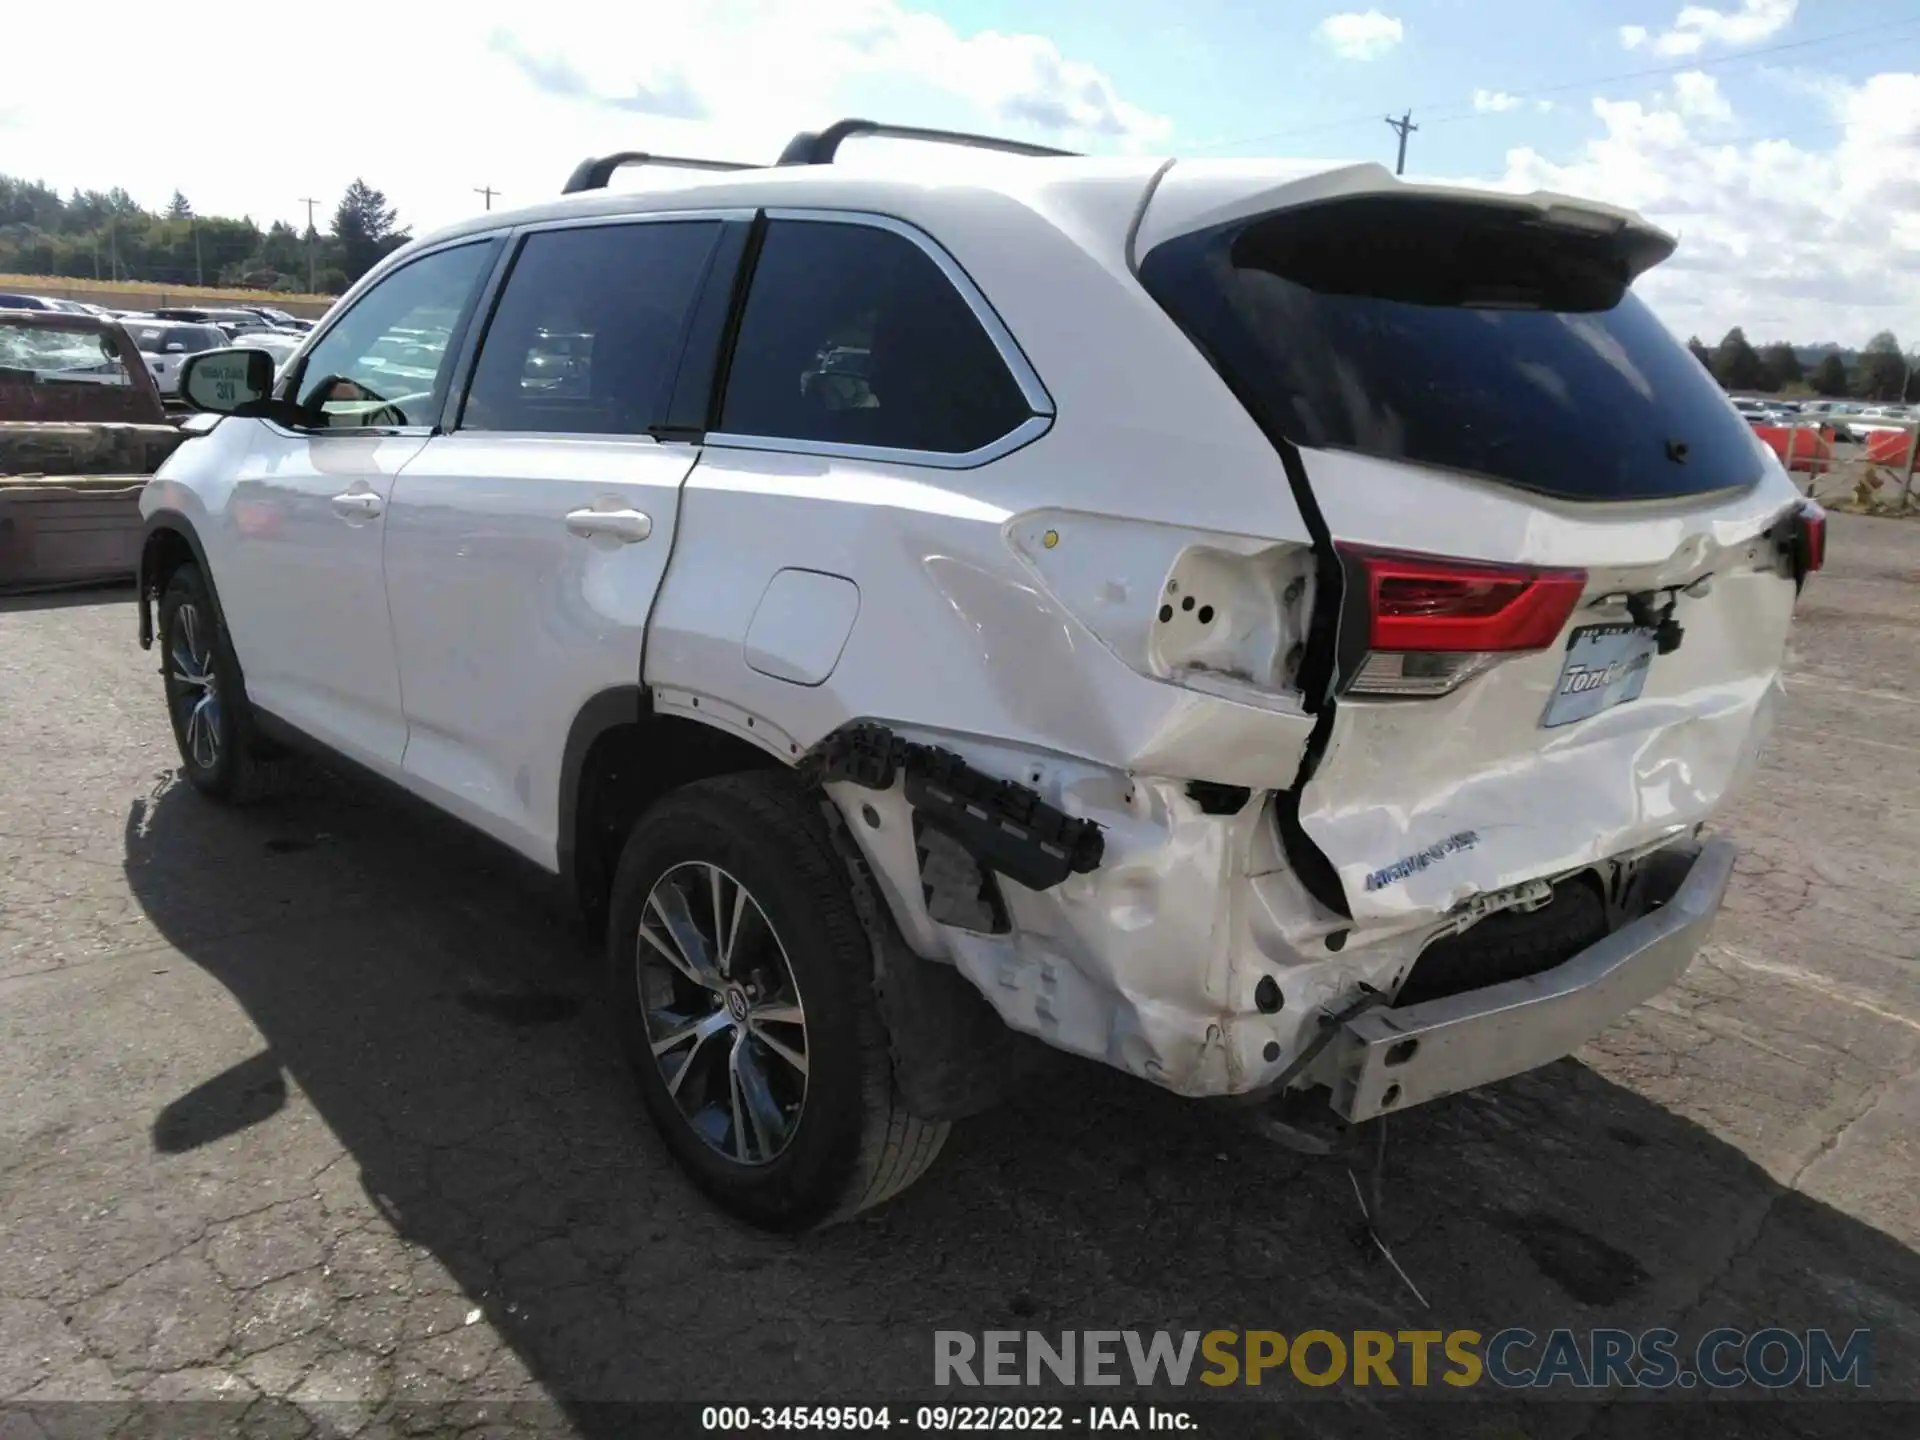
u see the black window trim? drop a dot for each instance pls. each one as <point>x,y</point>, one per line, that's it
<point>1039,402</point>
<point>457,341</point>
<point>460,379</point>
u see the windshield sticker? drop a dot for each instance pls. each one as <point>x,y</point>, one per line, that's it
<point>1420,860</point>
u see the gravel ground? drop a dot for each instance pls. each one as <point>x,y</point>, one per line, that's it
<point>310,1102</point>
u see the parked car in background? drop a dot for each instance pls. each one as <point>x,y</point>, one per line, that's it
<point>26,302</point>
<point>81,423</point>
<point>279,345</point>
<point>165,344</point>
<point>233,321</point>
<point>1759,412</point>
<point>278,319</point>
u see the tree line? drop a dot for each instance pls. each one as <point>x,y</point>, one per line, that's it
<point>1880,372</point>
<point>108,235</point>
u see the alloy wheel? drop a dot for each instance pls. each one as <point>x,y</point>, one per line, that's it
<point>195,686</point>
<point>724,1019</point>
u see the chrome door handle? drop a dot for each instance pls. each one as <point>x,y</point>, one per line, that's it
<point>629,526</point>
<point>357,504</point>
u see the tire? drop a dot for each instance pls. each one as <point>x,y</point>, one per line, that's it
<point>828,1136</point>
<point>206,699</point>
<point>1509,945</point>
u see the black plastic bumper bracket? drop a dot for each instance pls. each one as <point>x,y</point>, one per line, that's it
<point>1004,826</point>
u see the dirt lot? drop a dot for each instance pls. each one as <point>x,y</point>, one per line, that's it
<point>309,1102</point>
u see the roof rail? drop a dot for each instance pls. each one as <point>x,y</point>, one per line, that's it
<point>818,147</point>
<point>595,171</point>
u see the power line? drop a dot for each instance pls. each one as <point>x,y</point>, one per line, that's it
<point>1713,63</point>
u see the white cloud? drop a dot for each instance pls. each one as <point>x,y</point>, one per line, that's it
<point>1495,101</point>
<point>1698,26</point>
<point>1771,236</point>
<point>1356,36</point>
<point>1696,94</point>
<point>514,98</point>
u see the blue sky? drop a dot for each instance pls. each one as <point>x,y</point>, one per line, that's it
<point>1781,138</point>
<point>1239,71</point>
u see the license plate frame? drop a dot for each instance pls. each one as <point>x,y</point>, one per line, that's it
<point>1605,666</point>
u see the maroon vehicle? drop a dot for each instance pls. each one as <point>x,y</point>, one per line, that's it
<point>82,426</point>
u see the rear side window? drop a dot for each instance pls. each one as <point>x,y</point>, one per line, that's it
<point>587,333</point>
<point>853,335</point>
<point>1455,336</point>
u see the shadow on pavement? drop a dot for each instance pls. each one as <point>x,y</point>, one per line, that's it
<point>15,601</point>
<point>429,997</point>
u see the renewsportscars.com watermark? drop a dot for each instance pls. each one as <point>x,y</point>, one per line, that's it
<point>1510,1359</point>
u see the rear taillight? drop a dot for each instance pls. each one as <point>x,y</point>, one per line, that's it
<point>1431,623</point>
<point>1810,529</point>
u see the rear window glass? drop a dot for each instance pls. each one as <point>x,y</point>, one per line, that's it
<point>42,355</point>
<point>1457,337</point>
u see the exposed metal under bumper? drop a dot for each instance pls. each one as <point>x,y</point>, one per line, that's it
<point>1391,1059</point>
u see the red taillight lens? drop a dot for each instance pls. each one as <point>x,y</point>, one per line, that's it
<point>1421,603</point>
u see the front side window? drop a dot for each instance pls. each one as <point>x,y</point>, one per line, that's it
<point>852,335</point>
<point>385,362</point>
<point>587,333</point>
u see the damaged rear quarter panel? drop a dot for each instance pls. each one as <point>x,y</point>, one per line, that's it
<point>957,641</point>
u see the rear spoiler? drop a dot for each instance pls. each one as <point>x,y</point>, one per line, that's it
<point>1205,194</point>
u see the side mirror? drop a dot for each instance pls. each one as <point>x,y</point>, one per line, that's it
<point>224,380</point>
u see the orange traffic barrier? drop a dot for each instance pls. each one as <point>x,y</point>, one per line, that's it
<point>1799,449</point>
<point>1888,447</point>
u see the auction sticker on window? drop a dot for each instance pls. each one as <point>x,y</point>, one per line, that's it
<point>1606,665</point>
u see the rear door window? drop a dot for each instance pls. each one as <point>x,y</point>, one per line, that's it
<point>587,333</point>
<point>852,335</point>
<point>1457,336</point>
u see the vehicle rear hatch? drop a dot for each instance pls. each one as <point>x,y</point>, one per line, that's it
<point>1555,610</point>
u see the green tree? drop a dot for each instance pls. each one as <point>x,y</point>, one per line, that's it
<point>1882,370</point>
<point>1783,367</point>
<point>1737,364</point>
<point>1830,376</point>
<point>365,229</point>
<point>1700,352</point>
<point>178,208</point>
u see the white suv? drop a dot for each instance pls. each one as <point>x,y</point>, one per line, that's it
<point>1274,629</point>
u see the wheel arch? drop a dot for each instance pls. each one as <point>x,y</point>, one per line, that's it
<point>621,755</point>
<point>169,542</point>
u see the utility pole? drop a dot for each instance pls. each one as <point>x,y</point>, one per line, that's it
<point>488,191</point>
<point>1406,127</point>
<point>313,285</point>
<point>199,268</point>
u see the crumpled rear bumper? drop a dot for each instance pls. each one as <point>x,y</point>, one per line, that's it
<point>1386,1059</point>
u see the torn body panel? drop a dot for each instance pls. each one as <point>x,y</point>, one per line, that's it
<point>1153,957</point>
<point>1422,804</point>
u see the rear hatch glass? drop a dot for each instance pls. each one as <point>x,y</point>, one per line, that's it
<point>1468,338</point>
